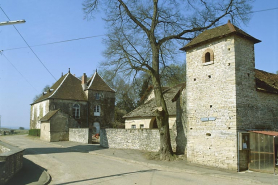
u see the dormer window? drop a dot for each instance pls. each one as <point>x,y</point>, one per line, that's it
<point>208,57</point>
<point>76,111</point>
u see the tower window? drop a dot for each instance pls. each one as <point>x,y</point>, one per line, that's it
<point>208,57</point>
<point>97,96</point>
<point>97,110</point>
<point>76,111</point>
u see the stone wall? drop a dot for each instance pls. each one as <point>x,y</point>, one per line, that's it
<point>139,139</point>
<point>11,161</point>
<point>80,135</point>
<point>221,99</point>
<point>57,128</point>
<point>145,121</point>
<point>38,111</point>
<point>66,106</point>
<point>211,93</point>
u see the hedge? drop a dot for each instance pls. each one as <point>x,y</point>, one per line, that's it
<point>35,132</point>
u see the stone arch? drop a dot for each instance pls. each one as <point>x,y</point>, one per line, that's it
<point>153,123</point>
<point>208,56</point>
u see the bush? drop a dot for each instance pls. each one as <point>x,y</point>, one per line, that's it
<point>34,132</point>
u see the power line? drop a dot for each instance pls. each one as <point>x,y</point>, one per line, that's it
<point>264,10</point>
<point>28,45</point>
<point>57,42</point>
<point>1,52</point>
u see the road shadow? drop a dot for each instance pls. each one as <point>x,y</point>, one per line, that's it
<point>30,173</point>
<point>51,150</point>
<point>108,176</point>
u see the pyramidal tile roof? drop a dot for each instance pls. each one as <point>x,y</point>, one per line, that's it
<point>98,84</point>
<point>68,87</point>
<point>216,33</point>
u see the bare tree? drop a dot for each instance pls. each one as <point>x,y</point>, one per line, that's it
<point>144,35</point>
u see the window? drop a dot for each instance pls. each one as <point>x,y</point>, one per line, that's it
<point>245,141</point>
<point>141,125</point>
<point>97,96</point>
<point>133,126</point>
<point>97,110</point>
<point>76,111</point>
<point>208,57</point>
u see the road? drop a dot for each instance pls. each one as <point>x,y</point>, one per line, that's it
<point>71,163</point>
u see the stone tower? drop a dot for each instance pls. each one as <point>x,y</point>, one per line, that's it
<point>220,81</point>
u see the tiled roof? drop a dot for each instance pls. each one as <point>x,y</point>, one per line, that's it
<point>148,108</point>
<point>266,82</point>
<point>68,87</point>
<point>216,33</point>
<point>98,84</point>
<point>270,133</point>
<point>49,115</point>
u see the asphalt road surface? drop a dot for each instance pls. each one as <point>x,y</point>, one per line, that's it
<point>71,163</point>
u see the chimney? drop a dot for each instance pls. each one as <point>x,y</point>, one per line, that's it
<point>84,81</point>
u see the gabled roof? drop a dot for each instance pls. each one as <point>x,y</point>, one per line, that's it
<point>49,115</point>
<point>98,84</point>
<point>148,108</point>
<point>216,33</point>
<point>266,82</point>
<point>68,87</point>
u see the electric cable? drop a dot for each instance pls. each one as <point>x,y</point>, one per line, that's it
<point>29,45</point>
<point>1,52</point>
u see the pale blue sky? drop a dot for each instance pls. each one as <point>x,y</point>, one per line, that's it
<point>52,21</point>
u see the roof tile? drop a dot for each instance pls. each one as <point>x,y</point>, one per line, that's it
<point>216,33</point>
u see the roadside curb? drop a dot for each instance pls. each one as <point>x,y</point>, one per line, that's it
<point>48,178</point>
<point>170,168</point>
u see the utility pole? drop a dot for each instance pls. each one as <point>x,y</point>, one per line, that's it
<point>12,22</point>
<point>0,122</point>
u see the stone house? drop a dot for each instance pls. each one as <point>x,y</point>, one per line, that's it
<point>144,117</point>
<point>73,103</point>
<point>225,98</point>
<point>227,115</point>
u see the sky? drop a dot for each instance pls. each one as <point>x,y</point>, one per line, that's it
<point>23,76</point>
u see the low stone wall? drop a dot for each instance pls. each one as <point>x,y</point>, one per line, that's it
<point>11,161</point>
<point>81,135</point>
<point>139,139</point>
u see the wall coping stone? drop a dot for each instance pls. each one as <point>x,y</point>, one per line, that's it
<point>13,149</point>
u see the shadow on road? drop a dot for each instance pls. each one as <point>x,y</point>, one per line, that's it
<point>51,150</point>
<point>115,175</point>
<point>30,173</point>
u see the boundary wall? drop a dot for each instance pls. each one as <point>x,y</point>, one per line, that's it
<point>80,135</point>
<point>11,161</point>
<point>139,139</point>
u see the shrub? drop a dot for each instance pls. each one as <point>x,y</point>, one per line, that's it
<point>34,132</point>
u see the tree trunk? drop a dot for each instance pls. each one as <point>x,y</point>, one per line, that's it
<point>162,116</point>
